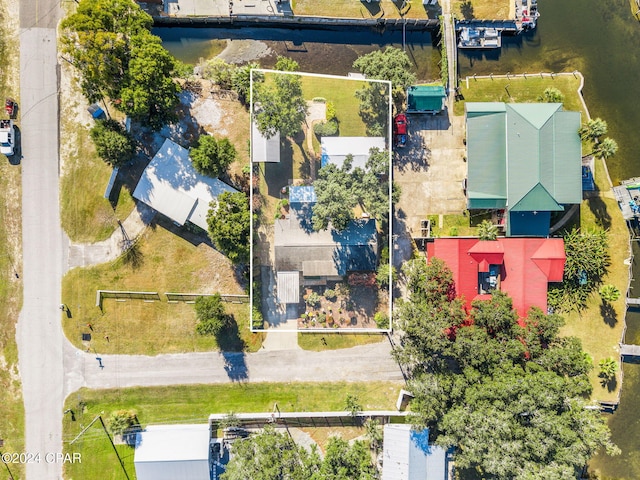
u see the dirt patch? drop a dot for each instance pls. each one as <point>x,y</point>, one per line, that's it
<point>244,51</point>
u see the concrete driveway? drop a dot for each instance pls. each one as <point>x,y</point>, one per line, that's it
<point>430,169</point>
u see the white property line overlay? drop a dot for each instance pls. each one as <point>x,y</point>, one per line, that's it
<point>390,214</point>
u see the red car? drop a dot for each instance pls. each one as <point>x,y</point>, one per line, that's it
<point>400,129</point>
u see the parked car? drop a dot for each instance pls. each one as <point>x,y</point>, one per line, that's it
<point>7,137</point>
<point>400,130</point>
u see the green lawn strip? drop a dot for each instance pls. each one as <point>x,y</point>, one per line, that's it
<point>520,89</point>
<point>342,93</point>
<point>334,341</point>
<point>481,9</point>
<point>361,9</point>
<point>11,401</point>
<point>86,215</point>
<point>168,264</point>
<point>599,338</point>
<point>193,404</point>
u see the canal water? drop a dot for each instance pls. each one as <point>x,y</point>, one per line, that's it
<point>319,51</point>
<point>599,38</point>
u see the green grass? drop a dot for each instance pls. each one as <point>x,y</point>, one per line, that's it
<point>600,338</point>
<point>193,404</point>
<point>454,225</point>
<point>482,9</point>
<point>136,327</point>
<point>313,341</point>
<point>519,89</point>
<point>12,411</point>
<point>86,215</point>
<point>342,94</point>
<point>360,9</point>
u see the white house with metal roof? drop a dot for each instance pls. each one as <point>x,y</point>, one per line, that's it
<point>173,452</point>
<point>335,149</point>
<point>407,455</point>
<point>171,186</point>
<point>264,149</point>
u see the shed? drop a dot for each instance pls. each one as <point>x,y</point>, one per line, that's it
<point>288,287</point>
<point>335,149</point>
<point>426,99</point>
<point>171,186</point>
<point>264,149</point>
<point>407,455</point>
<point>173,452</point>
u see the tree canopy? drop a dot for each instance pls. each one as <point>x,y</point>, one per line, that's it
<point>110,43</point>
<point>113,143</point>
<point>229,222</point>
<point>340,189</point>
<point>507,392</point>
<point>392,64</point>
<point>212,157</point>
<point>211,314</point>
<point>271,455</point>
<point>279,105</point>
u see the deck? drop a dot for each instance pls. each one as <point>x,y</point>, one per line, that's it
<point>629,350</point>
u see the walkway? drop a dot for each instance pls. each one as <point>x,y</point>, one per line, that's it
<point>87,254</point>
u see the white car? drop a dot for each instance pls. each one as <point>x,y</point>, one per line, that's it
<point>7,137</point>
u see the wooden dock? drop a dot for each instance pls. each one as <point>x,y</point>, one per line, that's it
<point>629,350</point>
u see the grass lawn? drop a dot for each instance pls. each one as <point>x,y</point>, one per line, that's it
<point>482,9</point>
<point>599,336</point>
<point>236,123</point>
<point>193,404</point>
<point>136,327</point>
<point>85,214</point>
<point>334,341</point>
<point>342,93</point>
<point>361,9</point>
<point>12,411</point>
<point>521,90</point>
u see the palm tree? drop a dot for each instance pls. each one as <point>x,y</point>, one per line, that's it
<point>596,127</point>
<point>609,293</point>
<point>608,368</point>
<point>487,230</point>
<point>606,149</point>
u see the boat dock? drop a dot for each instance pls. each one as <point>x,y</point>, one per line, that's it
<point>633,302</point>
<point>629,350</point>
<point>628,197</point>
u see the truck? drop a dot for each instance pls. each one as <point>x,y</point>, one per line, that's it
<point>7,137</point>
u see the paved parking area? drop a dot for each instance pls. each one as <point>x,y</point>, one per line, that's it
<point>430,170</point>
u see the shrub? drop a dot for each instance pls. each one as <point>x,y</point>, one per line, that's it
<point>212,317</point>
<point>382,320</point>
<point>121,420</point>
<point>113,143</point>
<point>329,294</point>
<point>331,111</point>
<point>326,129</point>
<point>313,300</point>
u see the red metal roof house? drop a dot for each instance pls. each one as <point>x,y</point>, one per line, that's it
<point>521,267</point>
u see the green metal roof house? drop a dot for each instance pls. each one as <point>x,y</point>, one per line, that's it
<point>524,158</point>
<point>426,99</point>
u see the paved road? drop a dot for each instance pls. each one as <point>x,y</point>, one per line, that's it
<point>39,334</point>
<point>357,364</point>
